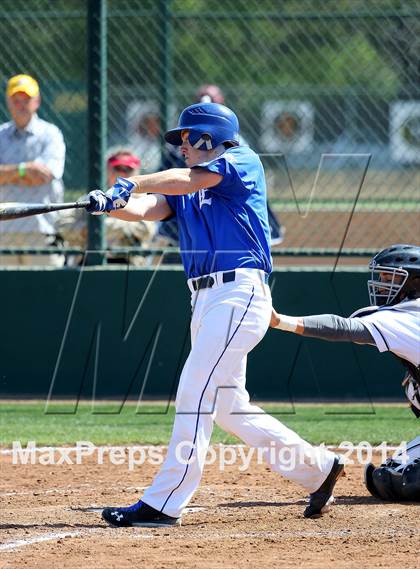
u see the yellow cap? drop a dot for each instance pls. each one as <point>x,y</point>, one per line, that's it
<point>22,84</point>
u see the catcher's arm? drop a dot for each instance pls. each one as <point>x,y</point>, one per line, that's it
<point>286,323</point>
<point>324,326</point>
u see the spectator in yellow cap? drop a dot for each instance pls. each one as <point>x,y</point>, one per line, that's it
<point>22,84</point>
<point>32,155</point>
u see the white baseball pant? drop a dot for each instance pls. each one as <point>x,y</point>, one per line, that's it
<point>228,321</point>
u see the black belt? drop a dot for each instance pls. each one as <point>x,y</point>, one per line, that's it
<point>208,281</point>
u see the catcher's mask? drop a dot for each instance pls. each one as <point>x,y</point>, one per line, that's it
<point>395,275</point>
<point>209,125</point>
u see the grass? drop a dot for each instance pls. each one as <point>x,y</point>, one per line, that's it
<point>331,424</point>
<point>343,205</point>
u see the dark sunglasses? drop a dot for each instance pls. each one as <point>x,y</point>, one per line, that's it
<point>123,169</point>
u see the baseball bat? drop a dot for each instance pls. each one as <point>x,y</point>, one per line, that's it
<point>17,210</point>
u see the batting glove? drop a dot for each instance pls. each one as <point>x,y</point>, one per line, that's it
<point>98,202</point>
<point>115,198</point>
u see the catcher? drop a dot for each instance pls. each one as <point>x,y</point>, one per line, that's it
<point>391,323</point>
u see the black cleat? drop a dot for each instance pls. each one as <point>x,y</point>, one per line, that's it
<point>138,515</point>
<point>322,498</point>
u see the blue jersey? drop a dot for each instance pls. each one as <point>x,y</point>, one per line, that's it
<point>226,227</point>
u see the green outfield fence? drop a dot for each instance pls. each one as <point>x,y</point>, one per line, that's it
<point>327,92</point>
<point>67,339</point>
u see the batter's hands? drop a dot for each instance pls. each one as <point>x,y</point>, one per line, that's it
<point>115,198</point>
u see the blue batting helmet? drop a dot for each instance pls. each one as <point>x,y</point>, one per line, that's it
<point>209,125</point>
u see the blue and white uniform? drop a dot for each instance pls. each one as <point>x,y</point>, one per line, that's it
<point>225,245</point>
<point>226,227</point>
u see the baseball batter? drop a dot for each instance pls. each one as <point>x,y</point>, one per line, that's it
<point>391,323</point>
<point>219,201</point>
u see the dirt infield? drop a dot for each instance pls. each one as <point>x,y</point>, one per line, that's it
<point>370,230</point>
<point>236,519</point>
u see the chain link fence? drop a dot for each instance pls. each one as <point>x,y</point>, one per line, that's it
<point>328,92</point>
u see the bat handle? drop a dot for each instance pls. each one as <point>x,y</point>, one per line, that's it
<point>81,203</point>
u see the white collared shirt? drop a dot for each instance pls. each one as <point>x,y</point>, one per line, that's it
<point>43,142</point>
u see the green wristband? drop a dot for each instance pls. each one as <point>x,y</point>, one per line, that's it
<point>22,169</point>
